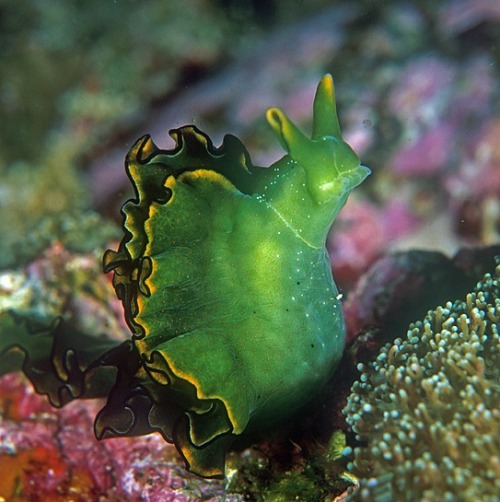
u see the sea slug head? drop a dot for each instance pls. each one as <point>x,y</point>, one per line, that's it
<point>332,169</point>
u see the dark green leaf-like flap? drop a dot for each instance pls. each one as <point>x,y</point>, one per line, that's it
<point>60,361</point>
<point>139,404</point>
<point>193,150</point>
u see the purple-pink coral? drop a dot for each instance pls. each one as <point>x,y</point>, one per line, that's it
<point>52,455</point>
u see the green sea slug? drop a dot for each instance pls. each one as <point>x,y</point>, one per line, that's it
<point>226,285</point>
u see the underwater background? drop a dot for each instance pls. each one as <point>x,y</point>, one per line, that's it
<point>418,97</point>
